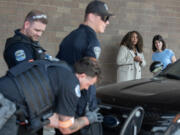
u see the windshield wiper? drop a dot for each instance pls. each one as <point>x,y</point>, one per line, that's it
<point>171,76</point>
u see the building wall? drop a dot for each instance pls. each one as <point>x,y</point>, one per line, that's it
<point>149,17</point>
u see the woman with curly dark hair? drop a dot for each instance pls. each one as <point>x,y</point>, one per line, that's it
<point>130,57</point>
<point>160,53</point>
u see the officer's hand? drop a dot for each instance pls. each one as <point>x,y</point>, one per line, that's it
<point>94,116</point>
<point>54,121</point>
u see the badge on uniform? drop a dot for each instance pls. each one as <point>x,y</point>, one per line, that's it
<point>97,51</point>
<point>77,91</point>
<point>20,55</point>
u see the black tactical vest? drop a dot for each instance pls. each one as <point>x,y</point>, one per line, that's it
<point>34,85</point>
<point>39,52</point>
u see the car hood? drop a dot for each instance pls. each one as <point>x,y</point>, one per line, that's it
<point>161,92</point>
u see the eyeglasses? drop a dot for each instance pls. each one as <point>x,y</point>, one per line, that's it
<point>42,16</point>
<point>105,18</point>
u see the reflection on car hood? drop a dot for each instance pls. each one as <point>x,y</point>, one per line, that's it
<point>161,92</point>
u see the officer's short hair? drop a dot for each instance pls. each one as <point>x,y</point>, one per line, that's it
<point>36,15</point>
<point>88,66</point>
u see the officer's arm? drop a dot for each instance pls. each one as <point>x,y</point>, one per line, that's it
<point>93,59</point>
<point>66,124</point>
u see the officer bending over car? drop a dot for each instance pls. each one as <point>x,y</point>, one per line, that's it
<point>47,93</point>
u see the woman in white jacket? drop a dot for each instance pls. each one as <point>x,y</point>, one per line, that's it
<point>130,57</point>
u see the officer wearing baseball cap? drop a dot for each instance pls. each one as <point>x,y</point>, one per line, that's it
<point>83,42</point>
<point>98,7</point>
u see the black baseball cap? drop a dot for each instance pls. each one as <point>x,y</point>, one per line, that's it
<point>98,7</point>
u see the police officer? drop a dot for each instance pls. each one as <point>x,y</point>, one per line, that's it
<point>83,42</point>
<point>24,45</point>
<point>49,92</point>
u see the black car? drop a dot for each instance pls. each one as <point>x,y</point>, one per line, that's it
<point>158,96</point>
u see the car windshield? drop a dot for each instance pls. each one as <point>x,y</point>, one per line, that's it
<point>172,71</point>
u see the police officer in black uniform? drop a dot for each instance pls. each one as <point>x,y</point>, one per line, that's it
<point>24,45</point>
<point>83,42</point>
<point>48,92</point>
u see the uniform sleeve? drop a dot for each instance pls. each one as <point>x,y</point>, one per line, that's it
<point>67,96</point>
<point>93,49</point>
<point>18,53</point>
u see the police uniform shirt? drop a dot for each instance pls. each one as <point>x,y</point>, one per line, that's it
<point>79,43</point>
<point>19,51</point>
<point>67,92</point>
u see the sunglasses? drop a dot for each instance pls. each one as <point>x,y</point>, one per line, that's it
<point>105,18</point>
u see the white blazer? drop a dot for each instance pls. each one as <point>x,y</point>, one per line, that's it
<point>128,69</point>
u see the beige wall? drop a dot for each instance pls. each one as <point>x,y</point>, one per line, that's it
<point>149,17</point>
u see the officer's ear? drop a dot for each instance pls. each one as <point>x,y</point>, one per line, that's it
<point>26,24</point>
<point>81,77</point>
<point>91,17</point>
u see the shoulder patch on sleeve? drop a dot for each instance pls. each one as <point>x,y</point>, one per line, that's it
<point>77,91</point>
<point>97,51</point>
<point>20,55</point>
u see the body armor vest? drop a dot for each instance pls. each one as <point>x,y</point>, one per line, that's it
<point>39,52</point>
<point>34,85</point>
